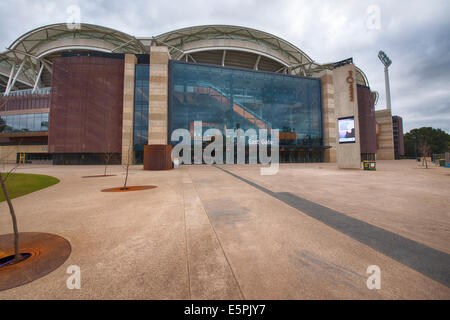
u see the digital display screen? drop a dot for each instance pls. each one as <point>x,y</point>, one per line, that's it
<point>346,130</point>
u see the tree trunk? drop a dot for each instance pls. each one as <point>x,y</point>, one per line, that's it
<point>126,178</point>
<point>17,255</point>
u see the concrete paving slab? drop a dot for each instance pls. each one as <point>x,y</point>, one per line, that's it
<point>203,234</point>
<point>209,271</point>
<point>279,253</point>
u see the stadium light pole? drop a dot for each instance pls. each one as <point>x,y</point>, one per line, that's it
<point>386,62</point>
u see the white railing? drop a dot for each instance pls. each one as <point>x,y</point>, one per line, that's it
<point>30,91</point>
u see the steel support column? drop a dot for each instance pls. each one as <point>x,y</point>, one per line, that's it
<point>8,90</point>
<point>36,83</point>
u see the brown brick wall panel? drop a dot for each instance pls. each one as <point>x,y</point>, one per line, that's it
<point>86,105</point>
<point>367,121</point>
<point>26,102</point>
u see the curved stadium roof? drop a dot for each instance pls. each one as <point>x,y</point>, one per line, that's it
<point>215,44</point>
<point>49,40</point>
<point>229,35</point>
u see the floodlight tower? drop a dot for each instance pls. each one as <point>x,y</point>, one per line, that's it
<point>386,62</point>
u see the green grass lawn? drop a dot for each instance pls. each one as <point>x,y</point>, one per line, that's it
<point>20,184</point>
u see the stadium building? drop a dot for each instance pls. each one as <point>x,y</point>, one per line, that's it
<point>73,95</point>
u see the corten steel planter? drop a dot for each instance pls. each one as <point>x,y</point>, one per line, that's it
<point>158,157</point>
<point>46,252</point>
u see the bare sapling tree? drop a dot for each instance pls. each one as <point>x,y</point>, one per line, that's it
<point>107,159</point>
<point>107,155</point>
<point>127,163</point>
<point>3,181</point>
<point>425,151</point>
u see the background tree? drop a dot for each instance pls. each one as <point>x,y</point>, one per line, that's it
<point>437,140</point>
<point>107,156</point>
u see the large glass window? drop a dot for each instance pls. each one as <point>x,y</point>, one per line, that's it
<point>16,123</point>
<point>141,90</point>
<point>227,98</point>
<point>141,105</point>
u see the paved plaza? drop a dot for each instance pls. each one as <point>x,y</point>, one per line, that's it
<point>227,232</point>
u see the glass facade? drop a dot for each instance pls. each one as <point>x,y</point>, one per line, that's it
<point>32,122</point>
<point>227,98</point>
<point>141,88</point>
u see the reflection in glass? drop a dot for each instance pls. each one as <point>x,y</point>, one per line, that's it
<point>141,91</point>
<point>227,98</point>
<point>16,123</point>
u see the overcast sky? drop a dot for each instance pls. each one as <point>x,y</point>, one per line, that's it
<point>415,35</point>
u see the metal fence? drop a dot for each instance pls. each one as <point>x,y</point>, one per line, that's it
<point>438,156</point>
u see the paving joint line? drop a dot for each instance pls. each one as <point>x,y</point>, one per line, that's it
<point>220,243</point>
<point>428,261</point>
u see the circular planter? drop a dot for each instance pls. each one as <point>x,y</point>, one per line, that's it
<point>43,253</point>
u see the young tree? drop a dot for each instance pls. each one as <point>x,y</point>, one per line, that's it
<point>126,166</point>
<point>107,155</point>
<point>3,180</point>
<point>425,151</point>
<point>107,158</point>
